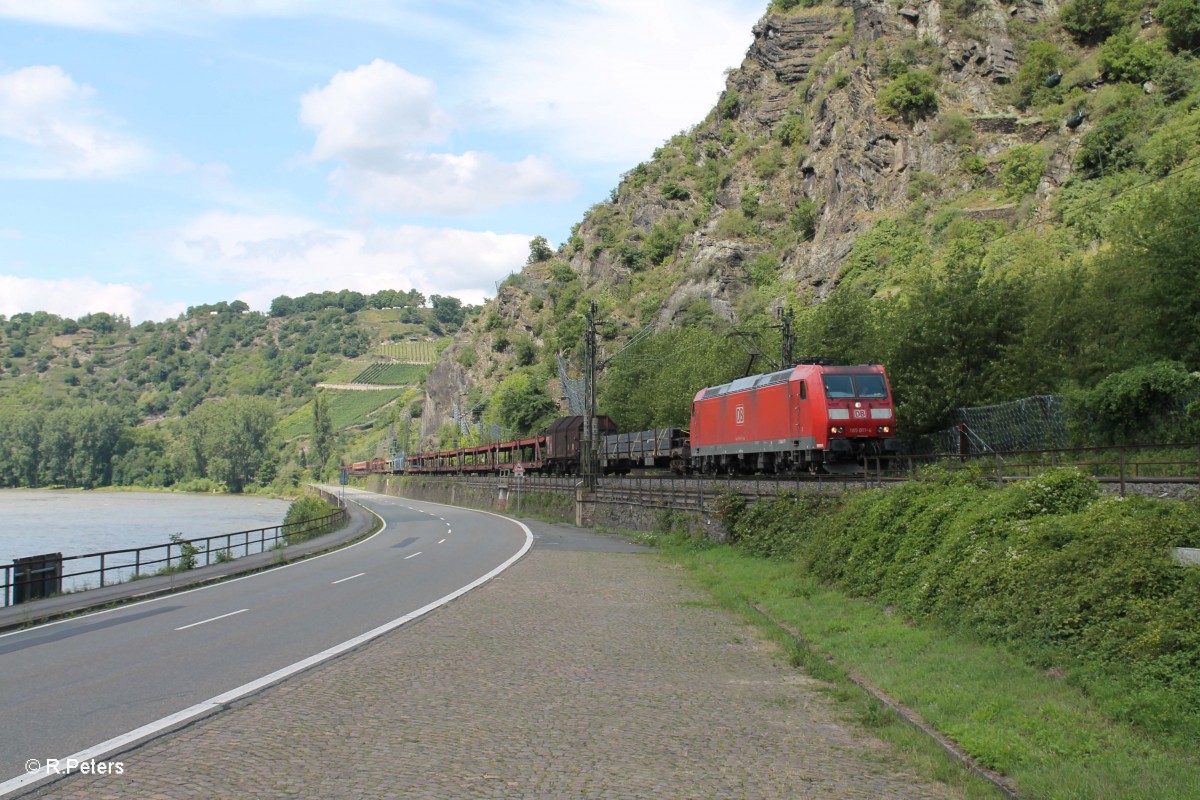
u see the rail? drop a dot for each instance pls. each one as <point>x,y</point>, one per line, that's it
<point>1122,466</point>
<point>178,555</point>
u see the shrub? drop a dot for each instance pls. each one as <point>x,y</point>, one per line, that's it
<point>727,107</point>
<point>804,218</point>
<point>1093,21</point>
<point>187,554</point>
<point>1143,403</point>
<point>1021,170</point>
<point>954,128</point>
<point>304,510</point>
<point>910,97</point>
<point>922,185</point>
<point>1041,59</point>
<point>1124,58</point>
<point>1181,21</point>
<point>792,130</point>
<point>673,191</point>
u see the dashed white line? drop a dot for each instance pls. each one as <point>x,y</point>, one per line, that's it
<point>212,619</point>
<point>343,580</point>
<point>441,540</point>
<point>414,555</point>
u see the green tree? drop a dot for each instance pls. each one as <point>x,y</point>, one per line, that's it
<point>1151,272</point>
<point>232,441</point>
<point>520,404</point>
<point>322,431</point>
<point>539,250</point>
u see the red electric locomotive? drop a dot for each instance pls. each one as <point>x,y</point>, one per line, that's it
<point>810,416</point>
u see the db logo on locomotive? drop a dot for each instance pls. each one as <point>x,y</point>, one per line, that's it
<point>740,413</point>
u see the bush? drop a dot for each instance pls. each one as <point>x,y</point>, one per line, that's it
<point>792,130</point>
<point>1181,20</point>
<point>1125,58</point>
<point>804,218</point>
<point>1093,21</point>
<point>954,128</point>
<point>1040,60</point>
<point>304,510</point>
<point>1144,403</point>
<point>1022,168</point>
<point>1065,576</point>
<point>910,97</point>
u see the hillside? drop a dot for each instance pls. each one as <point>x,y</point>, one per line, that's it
<point>95,401</point>
<point>989,199</point>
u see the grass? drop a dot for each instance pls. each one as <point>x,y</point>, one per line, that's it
<point>1043,733</point>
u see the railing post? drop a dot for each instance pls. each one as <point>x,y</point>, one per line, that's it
<point>1121,459</point>
<point>102,570</point>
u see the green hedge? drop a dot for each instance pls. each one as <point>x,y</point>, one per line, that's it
<point>1073,579</point>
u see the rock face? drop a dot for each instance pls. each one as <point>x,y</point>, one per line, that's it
<point>799,130</point>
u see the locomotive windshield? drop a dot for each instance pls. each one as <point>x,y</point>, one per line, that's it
<point>839,387</point>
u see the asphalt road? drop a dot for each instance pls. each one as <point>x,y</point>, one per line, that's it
<point>69,686</point>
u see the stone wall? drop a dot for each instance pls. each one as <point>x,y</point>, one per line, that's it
<point>498,495</point>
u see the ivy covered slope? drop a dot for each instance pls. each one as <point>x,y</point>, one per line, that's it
<point>197,400</point>
<point>992,200</point>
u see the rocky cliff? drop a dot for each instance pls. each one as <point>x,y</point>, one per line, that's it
<point>838,118</point>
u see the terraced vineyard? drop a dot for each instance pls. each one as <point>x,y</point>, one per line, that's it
<point>391,374</point>
<point>346,409</point>
<point>409,352</point>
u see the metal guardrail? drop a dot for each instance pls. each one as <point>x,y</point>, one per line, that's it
<point>117,566</point>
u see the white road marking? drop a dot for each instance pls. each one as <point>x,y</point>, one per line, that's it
<point>212,619</point>
<point>414,555</point>
<point>124,740</point>
<point>441,540</point>
<point>343,580</point>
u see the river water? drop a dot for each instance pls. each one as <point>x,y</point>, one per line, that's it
<point>75,522</point>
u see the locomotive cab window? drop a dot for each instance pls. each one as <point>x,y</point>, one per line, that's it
<point>871,386</point>
<point>838,386</point>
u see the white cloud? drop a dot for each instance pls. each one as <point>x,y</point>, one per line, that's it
<point>265,256</point>
<point>75,297</point>
<point>611,79</point>
<point>126,15</point>
<point>373,115</point>
<point>450,184</point>
<point>51,120</point>
<point>378,119</point>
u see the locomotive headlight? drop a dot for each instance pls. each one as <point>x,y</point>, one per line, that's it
<point>836,429</point>
<point>884,429</point>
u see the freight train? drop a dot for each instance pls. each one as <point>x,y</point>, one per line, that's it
<point>813,416</point>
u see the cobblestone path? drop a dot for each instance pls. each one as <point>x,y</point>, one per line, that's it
<point>572,675</point>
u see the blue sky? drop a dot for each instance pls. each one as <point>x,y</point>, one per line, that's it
<point>156,154</point>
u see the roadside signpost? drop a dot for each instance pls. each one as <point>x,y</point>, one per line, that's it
<point>519,474</point>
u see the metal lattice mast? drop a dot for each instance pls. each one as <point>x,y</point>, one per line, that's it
<point>587,454</point>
